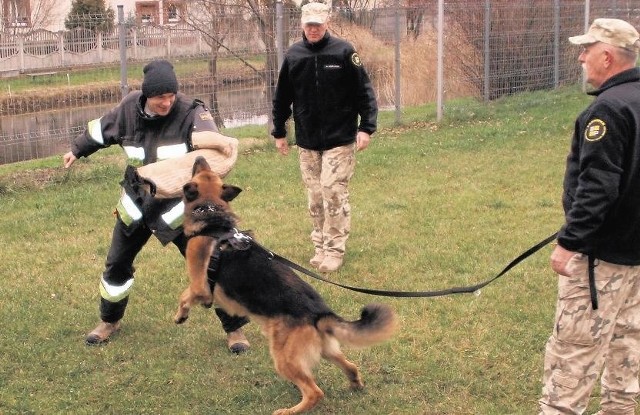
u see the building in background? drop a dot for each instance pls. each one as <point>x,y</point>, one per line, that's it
<point>29,15</point>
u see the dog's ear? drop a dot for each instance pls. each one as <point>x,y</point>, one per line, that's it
<point>229,192</point>
<point>190,191</point>
<point>199,165</point>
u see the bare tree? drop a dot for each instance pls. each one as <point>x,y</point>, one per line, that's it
<point>41,14</point>
<point>415,16</point>
<point>263,12</point>
<point>355,11</point>
<point>210,19</point>
<point>216,21</point>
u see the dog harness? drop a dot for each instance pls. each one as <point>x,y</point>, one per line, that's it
<point>233,239</point>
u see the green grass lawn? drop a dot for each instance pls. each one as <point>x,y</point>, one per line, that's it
<point>433,205</point>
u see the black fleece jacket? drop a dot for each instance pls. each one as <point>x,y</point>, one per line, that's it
<point>329,88</point>
<point>601,196</point>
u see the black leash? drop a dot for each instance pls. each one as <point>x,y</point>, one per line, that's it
<point>593,292</point>
<point>438,293</point>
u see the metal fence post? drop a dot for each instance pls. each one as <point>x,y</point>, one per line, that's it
<point>487,48</point>
<point>134,43</point>
<point>440,83</point>
<point>556,43</point>
<point>279,33</point>
<point>99,47</point>
<point>586,28</point>
<point>21,52</point>
<point>397,63</point>
<point>122,37</point>
<point>167,35</point>
<point>61,47</point>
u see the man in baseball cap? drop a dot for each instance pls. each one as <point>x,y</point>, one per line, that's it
<point>618,42</point>
<point>596,330</point>
<point>321,72</point>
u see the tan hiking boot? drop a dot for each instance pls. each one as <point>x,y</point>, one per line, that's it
<point>317,258</point>
<point>330,263</point>
<point>102,333</point>
<point>237,342</point>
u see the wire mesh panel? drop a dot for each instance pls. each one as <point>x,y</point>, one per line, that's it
<point>505,47</point>
<point>35,144</point>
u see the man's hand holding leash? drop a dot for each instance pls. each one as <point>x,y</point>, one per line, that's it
<point>560,257</point>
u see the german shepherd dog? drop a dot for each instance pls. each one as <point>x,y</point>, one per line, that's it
<point>299,325</point>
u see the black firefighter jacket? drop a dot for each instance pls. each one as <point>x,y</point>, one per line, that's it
<point>146,139</point>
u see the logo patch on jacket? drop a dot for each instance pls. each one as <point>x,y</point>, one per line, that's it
<point>206,116</point>
<point>596,129</point>
<point>355,59</point>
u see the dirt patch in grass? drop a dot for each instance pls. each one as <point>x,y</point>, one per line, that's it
<point>30,179</point>
<point>33,179</point>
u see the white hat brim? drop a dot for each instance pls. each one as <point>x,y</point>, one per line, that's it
<point>583,39</point>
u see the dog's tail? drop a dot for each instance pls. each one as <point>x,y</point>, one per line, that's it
<point>377,323</point>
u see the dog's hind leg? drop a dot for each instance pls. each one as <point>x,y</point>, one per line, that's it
<point>311,395</point>
<point>295,351</point>
<point>331,351</point>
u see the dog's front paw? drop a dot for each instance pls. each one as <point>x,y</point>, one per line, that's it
<point>356,386</point>
<point>180,318</point>
<point>204,298</point>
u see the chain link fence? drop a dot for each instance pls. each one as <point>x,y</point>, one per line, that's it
<point>430,52</point>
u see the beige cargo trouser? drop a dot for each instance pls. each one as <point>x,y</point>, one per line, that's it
<point>584,341</point>
<point>326,175</point>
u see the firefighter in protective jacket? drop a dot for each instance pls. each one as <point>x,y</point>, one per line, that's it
<point>155,124</point>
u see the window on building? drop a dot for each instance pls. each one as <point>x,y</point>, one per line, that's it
<point>174,11</point>
<point>17,13</point>
<point>147,11</point>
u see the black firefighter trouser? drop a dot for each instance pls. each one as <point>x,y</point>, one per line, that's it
<point>119,269</point>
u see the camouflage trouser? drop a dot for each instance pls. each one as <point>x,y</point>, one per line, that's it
<point>326,176</point>
<point>584,341</point>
